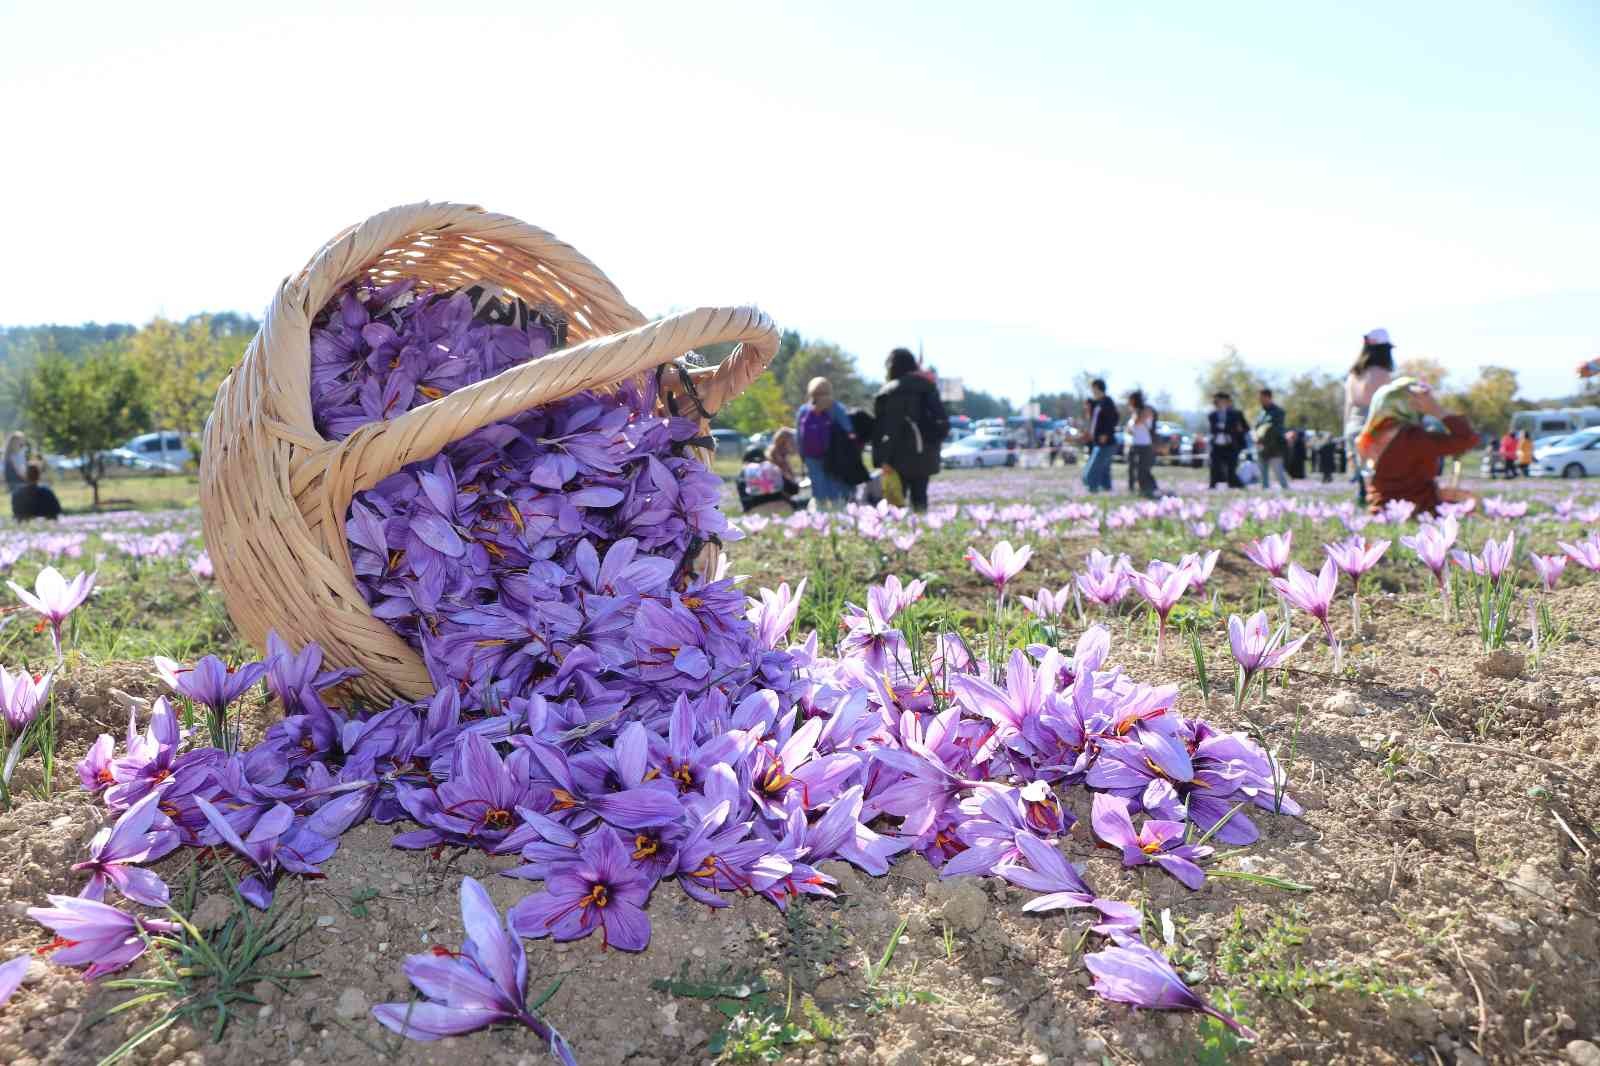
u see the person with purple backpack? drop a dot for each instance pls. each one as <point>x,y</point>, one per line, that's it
<point>815,424</point>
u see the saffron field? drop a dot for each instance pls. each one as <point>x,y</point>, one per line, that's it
<point>1054,779</point>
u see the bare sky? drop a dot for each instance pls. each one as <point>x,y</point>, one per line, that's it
<point>1028,190</point>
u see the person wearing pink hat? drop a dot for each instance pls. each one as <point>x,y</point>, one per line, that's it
<point>1373,369</point>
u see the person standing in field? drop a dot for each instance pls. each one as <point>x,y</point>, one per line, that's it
<point>1226,432</point>
<point>1373,369</point>
<point>1525,453</point>
<point>1272,441</point>
<point>1508,453</point>
<point>815,423</point>
<point>1141,445</point>
<point>1100,415</point>
<point>910,425</point>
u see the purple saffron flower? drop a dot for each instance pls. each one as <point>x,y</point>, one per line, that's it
<point>600,888</point>
<point>1586,553</point>
<point>150,759</point>
<point>485,983</point>
<point>1049,606</point>
<point>1135,974</point>
<point>1271,552</point>
<point>1355,556</point>
<point>55,598</point>
<point>1313,595</point>
<point>94,772</point>
<point>1160,841</point>
<point>477,805</point>
<point>1001,565</point>
<point>11,975</point>
<point>1549,568</point>
<point>93,934</point>
<point>1162,585</point>
<point>141,835</point>
<point>211,683</point>
<point>774,613</point>
<point>21,696</point>
<point>1432,545</point>
<point>1200,567</point>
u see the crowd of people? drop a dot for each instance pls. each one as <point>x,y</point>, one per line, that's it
<point>1396,436</point>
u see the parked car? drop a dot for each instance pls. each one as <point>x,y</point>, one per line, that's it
<point>730,444</point>
<point>980,450</point>
<point>1577,455</point>
<point>162,450</point>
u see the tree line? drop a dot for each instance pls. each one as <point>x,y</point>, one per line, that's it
<point>82,391</point>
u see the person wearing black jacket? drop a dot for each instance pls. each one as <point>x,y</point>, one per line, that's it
<point>33,500</point>
<point>911,424</point>
<point>1100,411</point>
<point>1226,440</point>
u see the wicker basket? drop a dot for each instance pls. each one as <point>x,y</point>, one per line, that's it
<point>274,493</point>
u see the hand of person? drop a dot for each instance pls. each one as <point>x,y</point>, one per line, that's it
<point>1426,401</point>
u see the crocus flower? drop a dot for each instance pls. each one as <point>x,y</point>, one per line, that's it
<point>599,889</point>
<point>1135,974</point>
<point>1313,595</point>
<point>1355,556</point>
<point>93,934</point>
<point>1160,841</point>
<point>1199,565</point>
<point>1048,606</point>
<point>1586,552</point>
<point>11,975</point>
<point>1257,646</point>
<point>139,836</point>
<point>21,695</point>
<point>94,772</point>
<point>1432,544</point>
<point>211,683</point>
<point>1491,563</point>
<point>1162,585</point>
<point>485,983</point>
<point>1002,564</point>
<point>55,598</point>
<point>1271,552</point>
<point>1549,568</point>
<point>200,566</point>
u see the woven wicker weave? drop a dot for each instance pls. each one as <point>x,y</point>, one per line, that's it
<point>274,493</point>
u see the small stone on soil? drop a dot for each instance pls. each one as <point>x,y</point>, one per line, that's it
<point>352,1003</point>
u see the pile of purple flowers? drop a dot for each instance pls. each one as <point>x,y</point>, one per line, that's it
<point>519,560</point>
<point>605,800</point>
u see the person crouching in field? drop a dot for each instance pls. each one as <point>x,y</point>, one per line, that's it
<point>1401,454</point>
<point>33,500</point>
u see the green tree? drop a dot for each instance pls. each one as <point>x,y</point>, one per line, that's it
<point>824,359</point>
<point>184,364</point>
<point>759,409</point>
<point>83,409</point>
<point>1231,374</point>
<point>1489,402</point>
<point>1313,400</point>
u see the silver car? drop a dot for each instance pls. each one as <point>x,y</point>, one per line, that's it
<point>1576,455</point>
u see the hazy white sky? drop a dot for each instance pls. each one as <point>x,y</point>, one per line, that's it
<point>1028,190</point>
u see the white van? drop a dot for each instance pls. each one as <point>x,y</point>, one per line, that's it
<point>1560,420</point>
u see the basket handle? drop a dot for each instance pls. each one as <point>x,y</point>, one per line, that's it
<point>379,449</point>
